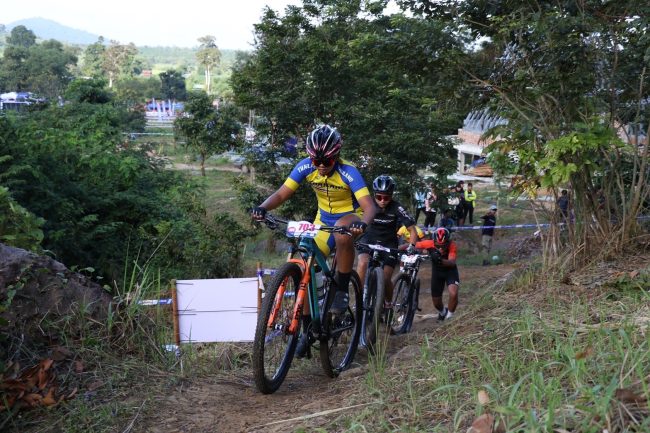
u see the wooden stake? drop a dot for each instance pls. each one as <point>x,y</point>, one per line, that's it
<point>177,333</point>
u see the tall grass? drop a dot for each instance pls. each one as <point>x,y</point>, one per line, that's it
<point>548,360</point>
<point>112,366</point>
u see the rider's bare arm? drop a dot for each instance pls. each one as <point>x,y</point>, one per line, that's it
<point>369,209</point>
<point>277,198</point>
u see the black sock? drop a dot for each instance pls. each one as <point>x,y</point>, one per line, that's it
<point>343,281</point>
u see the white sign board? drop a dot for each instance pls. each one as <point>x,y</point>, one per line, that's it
<point>217,310</point>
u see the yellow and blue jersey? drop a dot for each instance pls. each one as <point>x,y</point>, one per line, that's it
<point>404,232</point>
<point>338,193</point>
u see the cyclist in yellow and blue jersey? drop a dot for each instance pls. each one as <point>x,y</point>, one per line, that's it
<point>343,200</point>
<point>337,192</point>
<point>404,233</point>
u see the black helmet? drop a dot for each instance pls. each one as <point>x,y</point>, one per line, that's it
<point>384,184</point>
<point>324,144</point>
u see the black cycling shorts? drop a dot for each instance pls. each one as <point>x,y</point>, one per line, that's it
<point>440,278</point>
<point>388,259</point>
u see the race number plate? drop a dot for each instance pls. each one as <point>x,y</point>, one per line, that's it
<point>302,229</point>
<point>409,259</point>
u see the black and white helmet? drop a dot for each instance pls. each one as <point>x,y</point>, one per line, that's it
<point>383,184</point>
<point>324,143</point>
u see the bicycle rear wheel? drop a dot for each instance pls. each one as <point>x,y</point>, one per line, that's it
<point>273,347</point>
<point>341,332</point>
<point>373,308</point>
<point>402,305</point>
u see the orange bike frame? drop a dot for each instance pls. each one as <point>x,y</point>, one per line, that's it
<point>300,298</point>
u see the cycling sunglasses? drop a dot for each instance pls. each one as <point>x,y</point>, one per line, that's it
<point>325,162</point>
<point>383,197</point>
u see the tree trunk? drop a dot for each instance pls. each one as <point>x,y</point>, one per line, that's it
<point>208,79</point>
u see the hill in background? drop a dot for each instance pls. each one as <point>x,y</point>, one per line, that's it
<point>48,29</point>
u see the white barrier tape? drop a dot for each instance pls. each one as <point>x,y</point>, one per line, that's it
<point>155,302</point>
<point>511,226</point>
<point>269,271</point>
<point>266,271</point>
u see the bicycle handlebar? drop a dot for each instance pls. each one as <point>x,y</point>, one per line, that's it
<point>377,247</point>
<point>273,221</point>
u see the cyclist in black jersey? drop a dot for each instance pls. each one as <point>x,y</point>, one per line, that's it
<point>389,217</point>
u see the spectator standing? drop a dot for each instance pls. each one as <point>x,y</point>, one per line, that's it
<point>563,205</point>
<point>470,201</point>
<point>489,221</point>
<point>430,209</point>
<point>419,199</point>
<point>460,207</point>
<point>447,220</point>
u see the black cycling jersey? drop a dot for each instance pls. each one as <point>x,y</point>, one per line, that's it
<point>383,228</point>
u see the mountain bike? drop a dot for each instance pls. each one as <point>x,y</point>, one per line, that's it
<point>373,296</point>
<point>279,320</point>
<point>406,293</point>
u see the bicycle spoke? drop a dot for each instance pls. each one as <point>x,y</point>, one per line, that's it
<point>273,347</point>
<point>338,350</point>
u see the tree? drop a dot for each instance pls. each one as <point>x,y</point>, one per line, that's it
<point>386,82</point>
<point>104,203</point>
<point>118,60</point>
<point>172,85</point>
<point>48,65</point>
<point>134,92</point>
<point>13,73</point>
<point>93,58</point>
<point>21,36</point>
<point>209,57</point>
<point>43,68</point>
<point>567,75</point>
<point>88,91</point>
<point>206,129</point>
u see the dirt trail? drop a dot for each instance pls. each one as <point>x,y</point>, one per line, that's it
<point>233,404</point>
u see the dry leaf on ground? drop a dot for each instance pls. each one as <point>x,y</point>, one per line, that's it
<point>482,424</point>
<point>626,395</point>
<point>585,353</point>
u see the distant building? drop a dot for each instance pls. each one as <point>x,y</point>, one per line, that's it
<point>470,146</point>
<point>634,133</point>
<point>146,73</point>
<point>18,101</point>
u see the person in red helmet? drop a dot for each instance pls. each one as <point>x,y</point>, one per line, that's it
<point>443,271</point>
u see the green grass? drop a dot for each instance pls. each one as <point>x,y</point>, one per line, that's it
<point>547,360</point>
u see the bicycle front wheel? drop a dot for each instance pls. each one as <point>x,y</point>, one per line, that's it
<point>273,347</point>
<point>373,308</point>
<point>341,332</point>
<point>415,299</point>
<point>403,305</point>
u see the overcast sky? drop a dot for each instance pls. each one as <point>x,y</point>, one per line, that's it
<point>149,22</point>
